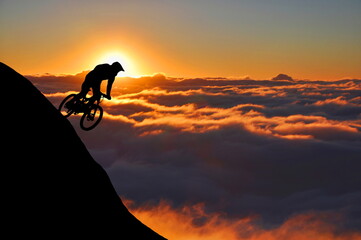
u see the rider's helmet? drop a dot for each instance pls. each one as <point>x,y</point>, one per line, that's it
<point>117,66</point>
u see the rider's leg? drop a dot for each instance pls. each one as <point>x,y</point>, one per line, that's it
<point>96,96</point>
<point>96,93</point>
<point>85,87</point>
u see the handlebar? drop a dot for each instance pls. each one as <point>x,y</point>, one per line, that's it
<point>106,96</point>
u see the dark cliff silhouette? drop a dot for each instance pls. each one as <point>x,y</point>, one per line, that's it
<point>52,186</point>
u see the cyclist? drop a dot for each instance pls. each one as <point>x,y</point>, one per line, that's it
<point>95,77</point>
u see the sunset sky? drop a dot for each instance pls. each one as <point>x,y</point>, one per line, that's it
<point>198,140</point>
<point>311,39</point>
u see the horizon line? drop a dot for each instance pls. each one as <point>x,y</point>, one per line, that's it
<point>214,78</point>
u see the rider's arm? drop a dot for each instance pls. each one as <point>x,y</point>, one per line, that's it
<point>109,86</point>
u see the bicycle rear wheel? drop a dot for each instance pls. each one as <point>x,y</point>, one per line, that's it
<point>65,106</point>
<point>91,118</point>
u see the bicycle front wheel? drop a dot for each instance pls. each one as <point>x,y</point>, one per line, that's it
<point>65,106</point>
<point>91,118</point>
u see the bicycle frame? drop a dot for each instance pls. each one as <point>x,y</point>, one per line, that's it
<point>83,105</point>
<point>90,108</point>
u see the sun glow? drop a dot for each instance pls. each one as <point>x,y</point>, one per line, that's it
<point>117,56</point>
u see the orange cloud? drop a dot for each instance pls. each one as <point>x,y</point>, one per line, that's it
<point>59,94</point>
<point>192,222</point>
<point>161,92</point>
<point>145,112</point>
<point>337,101</point>
<point>189,118</point>
<point>181,224</point>
<point>154,117</point>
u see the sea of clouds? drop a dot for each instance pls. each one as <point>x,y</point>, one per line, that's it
<point>266,150</point>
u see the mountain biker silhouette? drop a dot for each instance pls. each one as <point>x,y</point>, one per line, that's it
<point>95,77</point>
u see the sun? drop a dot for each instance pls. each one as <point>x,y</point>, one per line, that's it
<point>117,56</point>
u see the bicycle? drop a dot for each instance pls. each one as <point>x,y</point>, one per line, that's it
<point>92,112</point>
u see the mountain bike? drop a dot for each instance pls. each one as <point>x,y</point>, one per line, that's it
<point>91,110</point>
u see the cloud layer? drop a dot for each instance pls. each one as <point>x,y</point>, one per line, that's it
<point>192,222</point>
<point>271,148</point>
